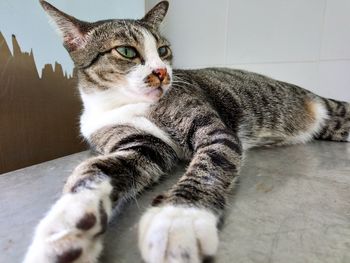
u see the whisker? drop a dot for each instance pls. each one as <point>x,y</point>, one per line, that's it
<point>183,82</point>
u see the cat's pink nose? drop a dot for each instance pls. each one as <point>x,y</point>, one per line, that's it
<point>160,73</point>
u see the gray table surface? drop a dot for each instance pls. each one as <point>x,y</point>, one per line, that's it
<point>292,204</point>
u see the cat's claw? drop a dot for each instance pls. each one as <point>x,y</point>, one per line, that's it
<point>172,234</point>
<point>71,231</point>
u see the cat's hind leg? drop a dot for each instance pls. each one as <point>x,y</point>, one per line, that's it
<point>295,122</point>
<point>337,125</point>
<point>316,118</point>
<point>307,123</point>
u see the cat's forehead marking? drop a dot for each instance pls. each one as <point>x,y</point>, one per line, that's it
<point>131,30</point>
<point>150,46</point>
<point>126,32</point>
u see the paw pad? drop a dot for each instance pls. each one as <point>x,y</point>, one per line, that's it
<point>68,233</point>
<point>158,200</point>
<point>87,222</point>
<point>69,256</point>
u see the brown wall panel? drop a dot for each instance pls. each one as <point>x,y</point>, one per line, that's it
<point>38,116</point>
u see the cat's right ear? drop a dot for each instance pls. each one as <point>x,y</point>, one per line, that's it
<point>155,16</point>
<point>73,31</point>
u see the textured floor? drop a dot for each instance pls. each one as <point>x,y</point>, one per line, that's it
<point>292,205</point>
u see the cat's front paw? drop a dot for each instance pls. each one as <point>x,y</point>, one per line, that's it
<point>71,231</point>
<point>172,234</point>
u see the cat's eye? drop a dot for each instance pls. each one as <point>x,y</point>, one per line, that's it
<point>163,51</point>
<point>127,52</point>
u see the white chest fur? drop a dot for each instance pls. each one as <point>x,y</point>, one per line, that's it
<point>94,118</point>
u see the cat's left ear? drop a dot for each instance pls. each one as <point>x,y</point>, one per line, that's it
<point>155,16</point>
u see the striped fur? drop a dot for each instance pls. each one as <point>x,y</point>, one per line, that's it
<point>337,127</point>
<point>140,124</point>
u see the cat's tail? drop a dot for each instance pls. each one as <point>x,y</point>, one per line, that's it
<point>337,125</point>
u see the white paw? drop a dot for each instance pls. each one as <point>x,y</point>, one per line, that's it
<point>71,230</point>
<point>177,234</point>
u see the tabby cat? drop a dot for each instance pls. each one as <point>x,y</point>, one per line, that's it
<point>142,117</point>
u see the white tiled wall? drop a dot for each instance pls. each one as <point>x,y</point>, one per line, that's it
<point>336,30</point>
<point>303,42</point>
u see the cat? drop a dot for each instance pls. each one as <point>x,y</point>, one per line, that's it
<point>142,117</point>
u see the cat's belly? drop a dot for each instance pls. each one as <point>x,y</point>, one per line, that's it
<point>132,114</point>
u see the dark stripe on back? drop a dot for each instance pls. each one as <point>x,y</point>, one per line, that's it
<point>225,104</point>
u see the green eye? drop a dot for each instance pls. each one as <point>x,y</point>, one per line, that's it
<point>163,51</point>
<point>127,52</point>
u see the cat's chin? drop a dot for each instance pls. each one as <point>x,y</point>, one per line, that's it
<point>155,94</point>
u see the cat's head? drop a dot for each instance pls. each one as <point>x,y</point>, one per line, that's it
<point>124,58</point>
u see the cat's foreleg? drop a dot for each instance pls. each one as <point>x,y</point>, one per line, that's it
<point>72,230</point>
<point>183,226</point>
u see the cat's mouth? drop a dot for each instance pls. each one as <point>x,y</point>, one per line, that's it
<point>156,86</point>
<point>155,92</point>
